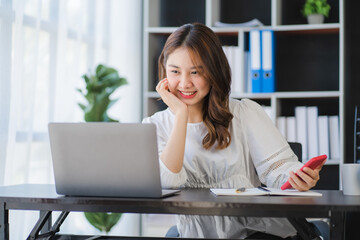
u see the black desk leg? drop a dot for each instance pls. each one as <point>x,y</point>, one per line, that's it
<point>4,222</point>
<point>45,225</point>
<point>337,221</point>
<point>39,225</point>
<point>48,223</point>
<point>59,221</point>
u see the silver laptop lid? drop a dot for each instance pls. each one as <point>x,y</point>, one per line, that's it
<point>105,159</point>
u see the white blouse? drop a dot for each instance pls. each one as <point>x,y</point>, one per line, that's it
<point>257,153</point>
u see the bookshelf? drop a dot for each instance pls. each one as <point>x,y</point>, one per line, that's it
<point>309,57</point>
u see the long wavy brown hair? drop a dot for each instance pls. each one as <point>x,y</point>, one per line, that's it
<point>205,48</point>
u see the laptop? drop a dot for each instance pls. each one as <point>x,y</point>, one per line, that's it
<point>106,160</point>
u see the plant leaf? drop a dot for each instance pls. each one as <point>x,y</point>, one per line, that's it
<point>86,78</point>
<point>82,106</point>
<point>103,221</point>
<point>100,69</point>
<point>95,220</point>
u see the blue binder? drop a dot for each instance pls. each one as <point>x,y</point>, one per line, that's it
<point>268,60</point>
<point>255,60</point>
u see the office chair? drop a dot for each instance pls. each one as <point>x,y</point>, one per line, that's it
<point>297,149</point>
<point>306,230</point>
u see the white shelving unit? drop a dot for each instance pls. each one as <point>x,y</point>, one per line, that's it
<point>155,35</point>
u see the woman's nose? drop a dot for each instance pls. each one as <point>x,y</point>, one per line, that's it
<point>185,82</point>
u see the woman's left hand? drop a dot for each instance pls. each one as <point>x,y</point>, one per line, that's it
<point>306,179</point>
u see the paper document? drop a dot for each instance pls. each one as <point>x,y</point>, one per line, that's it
<point>259,192</point>
<point>252,23</point>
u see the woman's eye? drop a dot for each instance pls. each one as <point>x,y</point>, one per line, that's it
<point>174,71</point>
<point>195,72</point>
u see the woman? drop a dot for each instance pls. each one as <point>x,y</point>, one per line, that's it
<point>207,140</point>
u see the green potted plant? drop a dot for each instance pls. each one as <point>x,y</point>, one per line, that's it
<point>99,87</point>
<point>316,10</point>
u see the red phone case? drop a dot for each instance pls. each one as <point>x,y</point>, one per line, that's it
<point>312,163</point>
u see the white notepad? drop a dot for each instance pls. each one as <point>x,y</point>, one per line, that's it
<point>258,192</point>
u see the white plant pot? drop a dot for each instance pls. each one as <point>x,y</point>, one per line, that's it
<point>315,19</point>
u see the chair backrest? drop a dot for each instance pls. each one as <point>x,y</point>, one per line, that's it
<point>297,149</point>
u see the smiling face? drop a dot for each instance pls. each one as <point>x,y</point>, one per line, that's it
<point>186,80</point>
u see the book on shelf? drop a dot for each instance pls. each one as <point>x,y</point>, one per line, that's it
<point>247,72</point>
<point>263,191</point>
<point>262,61</point>
<point>312,131</point>
<point>334,136</point>
<point>281,125</point>
<point>301,129</point>
<point>234,59</point>
<point>237,69</point>
<point>255,61</point>
<point>291,129</point>
<point>229,53</point>
<point>323,123</point>
<point>267,61</point>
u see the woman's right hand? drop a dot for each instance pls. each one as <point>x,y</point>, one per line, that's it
<point>174,103</point>
<point>173,153</point>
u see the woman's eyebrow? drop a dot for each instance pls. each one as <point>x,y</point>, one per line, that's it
<point>194,67</point>
<point>172,65</point>
<point>197,67</point>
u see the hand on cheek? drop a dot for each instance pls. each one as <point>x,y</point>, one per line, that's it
<point>175,104</point>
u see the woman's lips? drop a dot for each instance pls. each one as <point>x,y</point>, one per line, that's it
<point>188,94</point>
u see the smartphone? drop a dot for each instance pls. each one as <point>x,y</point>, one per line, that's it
<point>312,163</point>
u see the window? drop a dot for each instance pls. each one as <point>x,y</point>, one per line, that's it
<point>45,48</point>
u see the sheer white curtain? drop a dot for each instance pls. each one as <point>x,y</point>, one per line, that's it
<point>45,48</point>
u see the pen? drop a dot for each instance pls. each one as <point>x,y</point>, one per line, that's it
<point>239,190</point>
<point>263,189</point>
